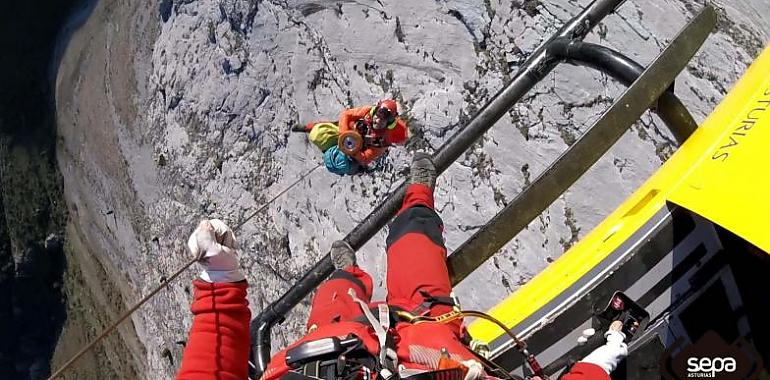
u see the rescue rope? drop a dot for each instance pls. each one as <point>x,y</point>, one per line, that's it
<point>166,282</point>
<point>282,192</point>
<point>520,345</point>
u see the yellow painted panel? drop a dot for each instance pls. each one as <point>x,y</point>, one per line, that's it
<point>730,183</point>
<point>720,185</point>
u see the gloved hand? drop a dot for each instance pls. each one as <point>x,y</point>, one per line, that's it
<point>214,244</point>
<point>475,370</point>
<point>611,353</point>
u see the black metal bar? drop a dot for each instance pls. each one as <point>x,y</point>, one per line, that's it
<point>626,70</point>
<point>563,172</point>
<point>537,66</point>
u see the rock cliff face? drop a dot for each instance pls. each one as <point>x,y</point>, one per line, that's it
<point>171,112</point>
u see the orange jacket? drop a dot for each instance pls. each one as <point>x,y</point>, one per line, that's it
<point>397,135</point>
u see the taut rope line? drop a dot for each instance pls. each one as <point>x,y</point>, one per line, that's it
<point>165,283</point>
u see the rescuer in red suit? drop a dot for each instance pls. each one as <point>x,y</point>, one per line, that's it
<point>417,281</point>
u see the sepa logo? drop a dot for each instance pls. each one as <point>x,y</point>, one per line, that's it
<point>711,358</point>
<point>710,367</point>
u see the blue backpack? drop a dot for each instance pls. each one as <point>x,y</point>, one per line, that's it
<point>337,162</point>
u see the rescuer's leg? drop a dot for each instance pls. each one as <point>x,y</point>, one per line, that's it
<point>416,253</point>
<point>416,262</point>
<point>331,302</point>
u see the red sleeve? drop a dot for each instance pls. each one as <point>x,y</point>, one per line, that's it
<point>586,371</point>
<point>399,134</point>
<point>218,343</point>
<point>350,115</point>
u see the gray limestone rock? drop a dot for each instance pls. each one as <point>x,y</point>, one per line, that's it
<point>166,121</point>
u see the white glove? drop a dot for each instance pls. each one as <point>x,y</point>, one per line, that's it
<point>611,353</point>
<point>213,243</point>
<point>475,370</point>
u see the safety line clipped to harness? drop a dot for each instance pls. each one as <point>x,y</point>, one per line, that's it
<point>520,345</point>
<point>388,358</point>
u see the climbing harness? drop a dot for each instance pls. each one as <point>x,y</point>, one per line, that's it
<point>520,345</point>
<point>388,358</point>
<point>167,281</point>
<point>337,358</point>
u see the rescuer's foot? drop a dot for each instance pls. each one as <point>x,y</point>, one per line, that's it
<point>342,254</point>
<point>299,128</point>
<point>423,170</point>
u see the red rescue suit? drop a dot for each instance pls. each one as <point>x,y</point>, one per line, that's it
<point>218,344</point>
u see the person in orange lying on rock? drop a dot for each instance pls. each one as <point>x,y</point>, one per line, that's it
<point>379,125</point>
<point>384,128</point>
